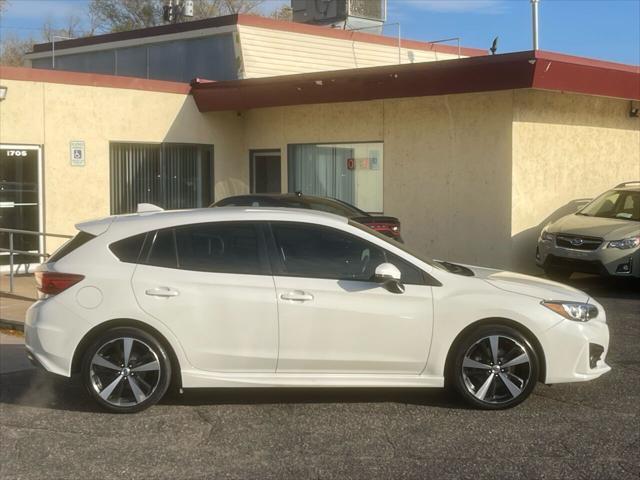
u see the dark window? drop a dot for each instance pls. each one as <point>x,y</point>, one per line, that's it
<point>221,247</point>
<point>172,176</point>
<point>163,250</point>
<point>265,171</point>
<point>319,252</point>
<point>128,249</point>
<point>76,242</point>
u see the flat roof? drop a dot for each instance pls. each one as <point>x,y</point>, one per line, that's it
<point>537,70</point>
<point>91,79</point>
<point>529,69</point>
<point>255,21</point>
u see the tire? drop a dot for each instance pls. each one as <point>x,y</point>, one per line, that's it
<point>126,387</point>
<point>557,274</point>
<point>490,385</point>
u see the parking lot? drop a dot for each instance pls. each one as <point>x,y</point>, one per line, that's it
<point>50,429</point>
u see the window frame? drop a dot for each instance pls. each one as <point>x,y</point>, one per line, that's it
<point>260,230</point>
<point>279,269</point>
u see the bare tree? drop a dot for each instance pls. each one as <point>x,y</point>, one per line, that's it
<point>121,15</point>
<point>13,49</point>
<point>283,13</point>
<point>72,27</point>
<point>3,5</point>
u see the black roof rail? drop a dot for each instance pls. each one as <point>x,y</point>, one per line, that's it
<point>626,184</point>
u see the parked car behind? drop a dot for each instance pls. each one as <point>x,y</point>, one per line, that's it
<point>389,226</point>
<point>602,238</point>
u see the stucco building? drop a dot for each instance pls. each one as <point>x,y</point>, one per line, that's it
<point>474,154</point>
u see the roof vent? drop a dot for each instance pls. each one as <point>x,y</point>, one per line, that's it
<point>346,14</point>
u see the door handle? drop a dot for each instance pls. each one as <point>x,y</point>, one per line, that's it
<point>164,292</point>
<point>297,296</point>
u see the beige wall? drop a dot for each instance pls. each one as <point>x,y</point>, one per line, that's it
<point>52,115</point>
<point>473,177</point>
<point>447,163</point>
<point>267,52</point>
<point>566,148</point>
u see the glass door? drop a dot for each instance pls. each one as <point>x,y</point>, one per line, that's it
<point>265,171</point>
<point>21,199</point>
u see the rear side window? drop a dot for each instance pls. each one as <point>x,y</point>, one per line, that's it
<point>76,242</point>
<point>221,247</point>
<point>163,250</point>
<point>128,249</point>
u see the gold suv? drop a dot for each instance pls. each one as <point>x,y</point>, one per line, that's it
<point>603,237</point>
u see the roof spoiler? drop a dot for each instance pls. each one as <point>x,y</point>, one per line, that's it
<point>148,208</point>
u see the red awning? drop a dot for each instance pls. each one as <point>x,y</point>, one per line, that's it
<point>540,70</point>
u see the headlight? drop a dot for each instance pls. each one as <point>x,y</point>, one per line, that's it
<point>579,312</point>
<point>546,236</point>
<point>625,244</point>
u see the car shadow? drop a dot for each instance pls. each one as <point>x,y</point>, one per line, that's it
<point>37,389</point>
<point>607,287</point>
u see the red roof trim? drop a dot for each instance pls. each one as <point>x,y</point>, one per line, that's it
<point>541,70</point>
<point>91,79</point>
<point>255,21</point>
<point>582,75</point>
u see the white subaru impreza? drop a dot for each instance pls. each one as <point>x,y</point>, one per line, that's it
<point>242,297</point>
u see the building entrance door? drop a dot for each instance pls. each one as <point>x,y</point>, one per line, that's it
<point>21,199</point>
<point>265,171</point>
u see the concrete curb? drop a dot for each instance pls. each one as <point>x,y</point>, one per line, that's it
<point>12,325</point>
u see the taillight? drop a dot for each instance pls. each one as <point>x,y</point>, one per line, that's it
<point>52,283</point>
<point>392,228</point>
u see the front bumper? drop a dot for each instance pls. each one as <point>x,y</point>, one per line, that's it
<point>575,351</point>
<point>602,261</point>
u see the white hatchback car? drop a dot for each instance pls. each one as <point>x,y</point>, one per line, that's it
<point>235,297</point>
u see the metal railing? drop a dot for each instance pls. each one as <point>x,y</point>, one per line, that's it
<point>12,251</point>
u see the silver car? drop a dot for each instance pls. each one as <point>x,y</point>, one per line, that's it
<point>603,237</point>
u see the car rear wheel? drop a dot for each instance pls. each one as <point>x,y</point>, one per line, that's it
<point>495,367</point>
<point>126,370</point>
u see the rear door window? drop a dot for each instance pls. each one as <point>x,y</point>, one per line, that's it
<point>222,247</point>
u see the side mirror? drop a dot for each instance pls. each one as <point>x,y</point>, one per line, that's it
<point>389,276</point>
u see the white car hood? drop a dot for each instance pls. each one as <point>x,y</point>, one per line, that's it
<point>528,285</point>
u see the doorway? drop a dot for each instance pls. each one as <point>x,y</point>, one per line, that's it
<point>21,200</point>
<point>265,171</point>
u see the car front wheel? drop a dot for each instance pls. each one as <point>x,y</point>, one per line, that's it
<point>495,367</point>
<point>126,370</point>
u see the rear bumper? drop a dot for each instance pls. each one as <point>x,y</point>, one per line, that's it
<point>51,333</point>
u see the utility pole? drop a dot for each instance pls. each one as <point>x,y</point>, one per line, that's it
<point>534,15</point>
<point>175,10</point>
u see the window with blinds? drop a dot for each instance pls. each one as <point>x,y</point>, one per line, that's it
<point>170,175</point>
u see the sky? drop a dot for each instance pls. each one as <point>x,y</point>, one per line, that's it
<point>603,29</point>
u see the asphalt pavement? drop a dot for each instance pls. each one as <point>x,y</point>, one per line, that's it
<point>49,429</point>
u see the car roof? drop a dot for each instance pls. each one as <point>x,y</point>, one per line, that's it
<point>144,222</point>
<point>633,186</point>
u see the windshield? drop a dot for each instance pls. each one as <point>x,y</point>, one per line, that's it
<point>399,245</point>
<point>621,204</point>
